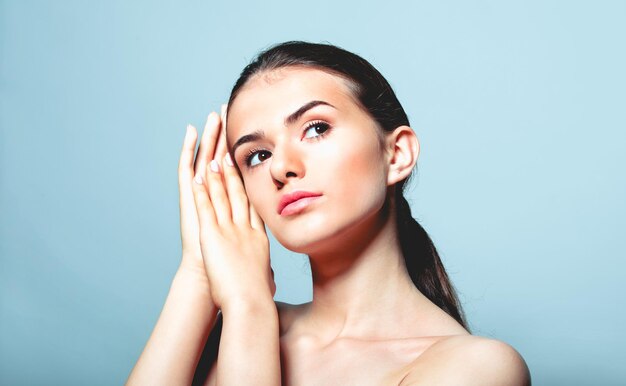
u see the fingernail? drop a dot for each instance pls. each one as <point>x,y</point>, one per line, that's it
<point>215,166</point>
<point>229,160</point>
<point>188,133</point>
<point>198,179</point>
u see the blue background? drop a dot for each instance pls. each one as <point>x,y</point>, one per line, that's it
<point>519,106</point>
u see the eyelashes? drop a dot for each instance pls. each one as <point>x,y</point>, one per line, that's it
<point>317,124</point>
<point>257,155</point>
<point>253,153</point>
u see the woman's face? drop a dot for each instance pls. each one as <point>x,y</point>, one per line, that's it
<point>330,148</point>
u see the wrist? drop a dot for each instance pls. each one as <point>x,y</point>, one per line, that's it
<point>250,305</point>
<point>192,278</point>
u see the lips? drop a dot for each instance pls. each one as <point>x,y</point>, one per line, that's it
<point>295,200</point>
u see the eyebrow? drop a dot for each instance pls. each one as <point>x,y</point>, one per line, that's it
<point>291,118</point>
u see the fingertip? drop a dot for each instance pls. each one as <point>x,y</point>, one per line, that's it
<point>228,159</point>
<point>190,133</point>
<point>211,120</point>
<point>215,166</point>
<point>198,179</point>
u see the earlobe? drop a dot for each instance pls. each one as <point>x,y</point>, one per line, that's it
<point>403,151</point>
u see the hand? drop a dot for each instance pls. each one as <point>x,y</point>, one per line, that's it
<point>189,224</point>
<point>233,242</point>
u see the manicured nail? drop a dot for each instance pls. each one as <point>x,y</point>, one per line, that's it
<point>212,118</point>
<point>198,179</point>
<point>229,160</point>
<point>188,133</point>
<point>215,166</point>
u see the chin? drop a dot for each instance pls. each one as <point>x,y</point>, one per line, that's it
<point>327,235</point>
<point>303,241</point>
<point>309,248</point>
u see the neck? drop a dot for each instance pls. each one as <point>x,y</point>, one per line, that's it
<point>362,287</point>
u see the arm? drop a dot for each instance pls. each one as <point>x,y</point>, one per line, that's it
<point>174,348</point>
<point>172,352</point>
<point>249,351</point>
<point>235,250</point>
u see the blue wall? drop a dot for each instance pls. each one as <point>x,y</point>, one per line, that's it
<point>519,106</point>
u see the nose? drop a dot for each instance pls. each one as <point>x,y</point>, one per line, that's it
<point>285,164</point>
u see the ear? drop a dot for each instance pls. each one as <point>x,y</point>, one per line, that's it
<point>402,149</point>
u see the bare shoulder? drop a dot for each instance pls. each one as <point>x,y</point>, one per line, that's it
<point>468,360</point>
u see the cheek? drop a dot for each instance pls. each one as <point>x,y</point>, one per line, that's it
<point>362,168</point>
<point>360,177</point>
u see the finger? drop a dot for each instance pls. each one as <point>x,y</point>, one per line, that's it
<point>217,193</point>
<point>206,149</point>
<point>255,219</point>
<point>221,148</point>
<point>204,208</point>
<point>188,216</point>
<point>236,193</point>
<point>185,175</point>
<point>185,163</point>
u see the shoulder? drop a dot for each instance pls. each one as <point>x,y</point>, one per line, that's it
<point>468,360</point>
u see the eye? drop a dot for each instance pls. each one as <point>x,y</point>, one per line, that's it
<point>316,129</point>
<point>256,156</point>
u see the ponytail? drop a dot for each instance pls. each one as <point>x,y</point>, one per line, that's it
<point>423,262</point>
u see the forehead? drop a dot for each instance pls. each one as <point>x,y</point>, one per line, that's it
<point>268,97</point>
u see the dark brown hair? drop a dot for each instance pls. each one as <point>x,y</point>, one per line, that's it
<point>376,97</point>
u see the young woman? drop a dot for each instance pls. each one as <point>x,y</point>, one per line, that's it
<point>318,148</point>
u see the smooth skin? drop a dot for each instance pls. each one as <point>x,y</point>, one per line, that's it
<point>215,216</point>
<point>367,323</point>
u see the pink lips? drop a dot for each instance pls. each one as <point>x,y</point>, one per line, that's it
<point>296,201</point>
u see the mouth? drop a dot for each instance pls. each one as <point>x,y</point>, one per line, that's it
<point>296,202</point>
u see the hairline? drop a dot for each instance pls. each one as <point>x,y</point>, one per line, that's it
<point>352,87</point>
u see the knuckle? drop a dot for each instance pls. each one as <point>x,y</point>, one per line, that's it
<point>214,176</point>
<point>211,173</point>
<point>198,194</point>
<point>214,189</point>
